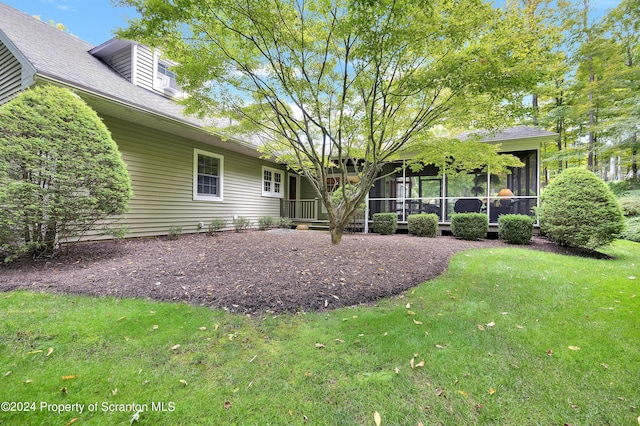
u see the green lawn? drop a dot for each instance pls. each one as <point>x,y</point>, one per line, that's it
<point>508,337</point>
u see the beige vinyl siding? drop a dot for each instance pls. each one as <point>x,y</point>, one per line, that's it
<point>121,62</point>
<point>161,170</point>
<point>10,74</point>
<point>144,67</point>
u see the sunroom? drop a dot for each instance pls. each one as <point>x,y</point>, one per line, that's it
<point>405,192</point>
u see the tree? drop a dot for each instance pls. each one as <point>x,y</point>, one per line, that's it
<point>578,209</point>
<point>60,171</point>
<point>622,79</point>
<point>342,86</point>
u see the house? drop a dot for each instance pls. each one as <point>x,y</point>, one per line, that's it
<point>405,192</point>
<point>182,174</point>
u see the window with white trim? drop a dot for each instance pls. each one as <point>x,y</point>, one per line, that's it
<point>272,182</point>
<point>207,175</point>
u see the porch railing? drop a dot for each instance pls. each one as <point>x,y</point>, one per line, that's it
<point>444,207</point>
<point>299,209</point>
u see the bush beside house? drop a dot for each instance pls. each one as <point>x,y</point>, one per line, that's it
<point>515,228</point>
<point>423,224</point>
<point>385,223</point>
<point>578,209</point>
<point>61,174</point>
<point>469,226</point>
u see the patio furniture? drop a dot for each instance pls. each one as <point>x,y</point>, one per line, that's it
<point>467,205</point>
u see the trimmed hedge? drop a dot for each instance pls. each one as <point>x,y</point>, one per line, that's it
<point>423,224</point>
<point>630,206</point>
<point>385,223</point>
<point>469,226</point>
<point>578,209</point>
<point>515,228</point>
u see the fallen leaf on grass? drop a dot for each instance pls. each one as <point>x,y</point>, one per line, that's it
<point>491,324</point>
<point>227,405</point>
<point>439,391</point>
<point>175,347</point>
<point>72,421</point>
<point>28,381</point>
<point>8,373</point>
<point>574,348</point>
<point>492,391</point>
<point>605,365</point>
<point>339,340</point>
<point>519,327</point>
<point>439,346</point>
<point>411,313</point>
<point>73,376</point>
<point>37,351</point>
<point>184,382</point>
<point>114,392</point>
<point>50,351</point>
<point>417,322</point>
<point>461,392</point>
<point>413,364</point>
<point>481,327</point>
<point>377,418</point>
<point>549,352</point>
<point>319,345</point>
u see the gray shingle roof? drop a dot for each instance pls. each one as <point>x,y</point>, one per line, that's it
<point>510,133</point>
<point>65,58</point>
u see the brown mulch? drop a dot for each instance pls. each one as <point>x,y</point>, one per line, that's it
<point>248,272</point>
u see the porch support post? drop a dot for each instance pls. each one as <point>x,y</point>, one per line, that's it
<point>489,193</point>
<point>366,215</point>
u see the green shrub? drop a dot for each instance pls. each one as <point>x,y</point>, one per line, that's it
<point>215,225</point>
<point>578,209</point>
<point>469,226</point>
<point>630,206</point>
<point>241,223</point>
<point>385,223</point>
<point>60,171</point>
<point>174,232</point>
<point>284,222</point>
<point>423,224</point>
<point>632,231</point>
<point>117,232</point>
<point>266,222</point>
<point>515,228</point>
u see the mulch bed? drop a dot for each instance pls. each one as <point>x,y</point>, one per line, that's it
<point>249,272</point>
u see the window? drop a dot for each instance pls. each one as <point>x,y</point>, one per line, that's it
<point>272,183</point>
<point>207,175</point>
<point>166,78</point>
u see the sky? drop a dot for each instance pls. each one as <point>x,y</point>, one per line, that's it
<point>95,20</point>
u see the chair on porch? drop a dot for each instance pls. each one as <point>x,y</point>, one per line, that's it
<point>467,205</point>
<point>500,209</point>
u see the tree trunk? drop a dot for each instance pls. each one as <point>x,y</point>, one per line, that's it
<point>336,234</point>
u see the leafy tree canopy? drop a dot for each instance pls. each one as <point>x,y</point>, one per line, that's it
<point>331,86</point>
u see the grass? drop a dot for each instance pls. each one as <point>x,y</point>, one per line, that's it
<point>508,336</point>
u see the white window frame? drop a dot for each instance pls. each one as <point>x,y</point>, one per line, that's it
<point>272,192</point>
<point>207,197</point>
<point>169,91</point>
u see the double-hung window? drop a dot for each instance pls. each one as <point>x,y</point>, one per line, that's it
<point>272,182</point>
<point>207,175</point>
